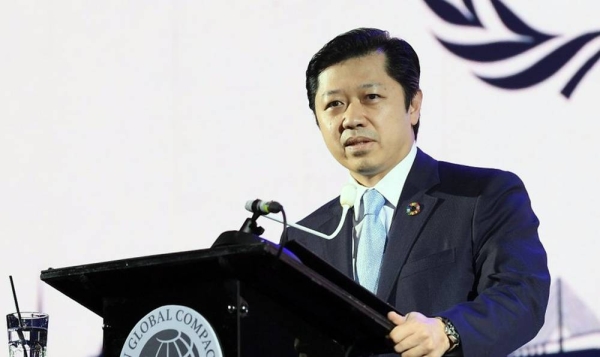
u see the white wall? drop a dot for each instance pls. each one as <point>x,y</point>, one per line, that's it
<point>136,128</point>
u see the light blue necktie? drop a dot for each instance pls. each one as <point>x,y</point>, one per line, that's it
<point>372,241</point>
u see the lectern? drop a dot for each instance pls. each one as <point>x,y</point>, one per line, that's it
<point>261,300</point>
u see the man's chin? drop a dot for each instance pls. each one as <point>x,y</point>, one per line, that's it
<point>363,167</point>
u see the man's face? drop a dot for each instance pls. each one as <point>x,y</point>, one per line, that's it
<point>361,113</point>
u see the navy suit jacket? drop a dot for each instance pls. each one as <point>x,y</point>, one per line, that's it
<point>472,254</point>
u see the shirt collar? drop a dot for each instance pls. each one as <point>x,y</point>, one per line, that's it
<point>390,186</point>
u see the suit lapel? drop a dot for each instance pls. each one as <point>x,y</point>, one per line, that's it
<point>341,252</point>
<point>405,229</point>
<point>339,249</point>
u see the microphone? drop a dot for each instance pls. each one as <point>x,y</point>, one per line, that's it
<point>347,198</point>
<point>263,207</point>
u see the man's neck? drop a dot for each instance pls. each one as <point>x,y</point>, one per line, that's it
<point>369,181</point>
<point>372,180</point>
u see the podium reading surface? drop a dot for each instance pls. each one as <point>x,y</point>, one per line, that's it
<point>260,301</point>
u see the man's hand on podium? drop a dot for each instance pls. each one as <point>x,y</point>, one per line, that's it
<point>417,335</point>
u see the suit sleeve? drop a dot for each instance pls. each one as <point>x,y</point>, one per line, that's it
<point>512,278</point>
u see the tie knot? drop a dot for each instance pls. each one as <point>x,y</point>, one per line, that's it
<point>373,201</point>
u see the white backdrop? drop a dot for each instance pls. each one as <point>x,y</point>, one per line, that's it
<point>130,128</point>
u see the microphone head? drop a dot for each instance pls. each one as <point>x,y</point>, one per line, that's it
<point>348,195</point>
<point>249,205</point>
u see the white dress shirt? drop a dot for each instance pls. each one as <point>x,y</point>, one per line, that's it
<point>390,186</point>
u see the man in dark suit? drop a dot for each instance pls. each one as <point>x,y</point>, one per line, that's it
<point>455,249</point>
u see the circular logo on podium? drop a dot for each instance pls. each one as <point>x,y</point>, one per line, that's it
<point>172,331</point>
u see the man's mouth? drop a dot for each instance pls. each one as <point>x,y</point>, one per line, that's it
<point>357,141</point>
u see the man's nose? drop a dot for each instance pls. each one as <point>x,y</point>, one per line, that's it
<point>354,116</point>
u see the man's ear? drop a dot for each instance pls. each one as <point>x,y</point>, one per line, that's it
<point>414,110</point>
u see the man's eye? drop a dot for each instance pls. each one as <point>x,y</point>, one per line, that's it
<point>335,103</point>
<point>373,96</point>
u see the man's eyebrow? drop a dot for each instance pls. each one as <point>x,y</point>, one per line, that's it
<point>331,92</point>
<point>370,85</point>
<point>362,86</point>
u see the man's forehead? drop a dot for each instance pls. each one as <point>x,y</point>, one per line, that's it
<point>356,68</point>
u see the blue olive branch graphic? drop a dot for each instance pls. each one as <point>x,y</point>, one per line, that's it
<point>530,38</point>
<point>452,15</point>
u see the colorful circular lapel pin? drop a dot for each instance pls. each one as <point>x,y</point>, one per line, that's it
<point>413,208</point>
